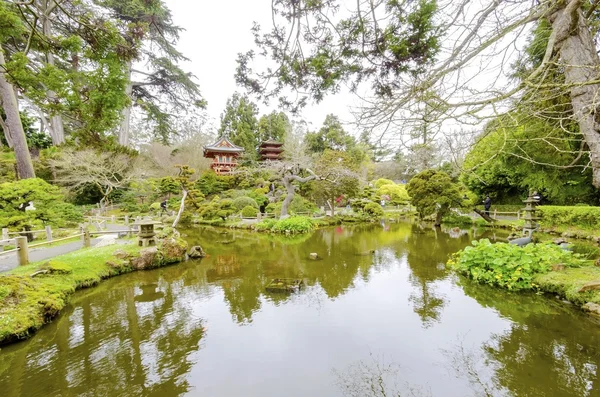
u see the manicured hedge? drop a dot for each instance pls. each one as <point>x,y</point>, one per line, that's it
<point>585,217</point>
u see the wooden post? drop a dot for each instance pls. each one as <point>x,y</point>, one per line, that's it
<point>112,219</point>
<point>48,233</point>
<point>23,253</point>
<point>86,238</point>
<point>495,213</point>
<point>127,219</point>
<point>518,215</point>
<point>4,233</point>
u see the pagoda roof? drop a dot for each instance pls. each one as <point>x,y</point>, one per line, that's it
<point>271,142</point>
<point>271,150</point>
<point>223,145</point>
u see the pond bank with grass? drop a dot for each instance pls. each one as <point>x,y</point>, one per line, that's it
<point>33,295</point>
<point>543,268</point>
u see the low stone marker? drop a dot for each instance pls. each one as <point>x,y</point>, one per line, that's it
<point>313,256</point>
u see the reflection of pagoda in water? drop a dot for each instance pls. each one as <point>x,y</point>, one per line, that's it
<point>225,266</point>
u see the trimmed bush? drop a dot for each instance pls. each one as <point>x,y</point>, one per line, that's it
<point>585,217</point>
<point>249,212</point>
<point>373,209</point>
<point>242,202</point>
<point>508,265</point>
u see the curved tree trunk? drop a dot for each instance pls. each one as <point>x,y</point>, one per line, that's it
<point>291,190</point>
<point>126,112</point>
<point>13,123</point>
<point>181,208</point>
<point>577,51</point>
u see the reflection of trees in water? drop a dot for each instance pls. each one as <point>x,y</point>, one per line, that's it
<point>375,378</point>
<point>428,252</point>
<point>249,261</point>
<point>126,338</point>
<point>549,350</point>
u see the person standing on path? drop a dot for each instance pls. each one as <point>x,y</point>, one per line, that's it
<point>487,203</point>
<point>163,207</point>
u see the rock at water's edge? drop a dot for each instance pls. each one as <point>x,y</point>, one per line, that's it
<point>196,252</point>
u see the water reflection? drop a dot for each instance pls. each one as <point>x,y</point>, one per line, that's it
<point>375,289</point>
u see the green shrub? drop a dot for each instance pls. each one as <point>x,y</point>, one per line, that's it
<point>508,265</point>
<point>242,202</point>
<point>359,205</point>
<point>249,212</point>
<point>294,225</point>
<point>373,209</point>
<point>217,208</point>
<point>300,204</point>
<point>155,206</point>
<point>274,208</point>
<point>265,224</point>
<point>584,217</point>
<point>456,219</point>
<point>66,214</point>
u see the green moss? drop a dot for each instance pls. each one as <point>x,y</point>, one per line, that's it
<point>567,284</point>
<point>27,303</point>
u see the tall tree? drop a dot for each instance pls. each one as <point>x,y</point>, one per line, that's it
<point>239,124</point>
<point>68,65</point>
<point>422,55</point>
<point>159,87</point>
<point>331,136</point>
<point>11,26</point>
<point>273,126</point>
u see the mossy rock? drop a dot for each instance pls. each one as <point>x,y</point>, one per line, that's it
<point>56,267</point>
<point>171,250</point>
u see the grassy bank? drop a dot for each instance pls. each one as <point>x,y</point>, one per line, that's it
<point>33,295</point>
<point>543,268</point>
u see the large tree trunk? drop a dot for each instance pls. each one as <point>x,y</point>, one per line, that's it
<point>126,112</point>
<point>291,190</point>
<point>56,126</point>
<point>577,51</point>
<point>13,123</point>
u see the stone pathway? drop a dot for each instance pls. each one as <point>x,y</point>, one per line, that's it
<point>8,262</point>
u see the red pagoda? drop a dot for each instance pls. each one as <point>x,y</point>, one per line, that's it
<point>270,150</point>
<point>224,155</point>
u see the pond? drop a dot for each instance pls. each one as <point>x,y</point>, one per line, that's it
<point>379,315</point>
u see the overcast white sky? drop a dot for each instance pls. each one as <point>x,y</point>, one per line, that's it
<point>215,32</point>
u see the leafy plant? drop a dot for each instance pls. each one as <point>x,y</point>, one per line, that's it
<point>373,209</point>
<point>293,225</point>
<point>508,265</point>
<point>242,202</point>
<point>586,217</point>
<point>249,212</point>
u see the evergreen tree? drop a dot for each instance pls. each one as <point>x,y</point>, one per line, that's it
<point>239,124</point>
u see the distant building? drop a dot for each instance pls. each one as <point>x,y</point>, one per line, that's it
<point>224,155</point>
<point>270,150</point>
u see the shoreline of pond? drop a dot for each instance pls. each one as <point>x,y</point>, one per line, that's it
<point>33,295</point>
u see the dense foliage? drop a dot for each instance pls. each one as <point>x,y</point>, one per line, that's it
<point>508,265</point>
<point>48,201</point>
<point>432,192</point>
<point>291,225</point>
<point>577,216</point>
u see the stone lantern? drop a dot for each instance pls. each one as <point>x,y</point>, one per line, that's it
<point>146,234</point>
<point>530,219</point>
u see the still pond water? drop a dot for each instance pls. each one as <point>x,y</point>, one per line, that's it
<point>389,322</point>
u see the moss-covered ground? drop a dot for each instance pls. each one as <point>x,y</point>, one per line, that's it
<point>568,282</point>
<point>27,303</point>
